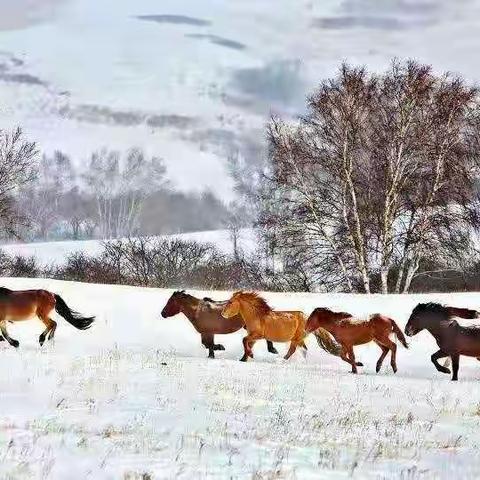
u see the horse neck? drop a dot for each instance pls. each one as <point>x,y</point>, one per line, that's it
<point>189,307</point>
<point>436,329</point>
<point>249,314</point>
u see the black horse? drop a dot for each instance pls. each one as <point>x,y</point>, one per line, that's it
<point>452,338</point>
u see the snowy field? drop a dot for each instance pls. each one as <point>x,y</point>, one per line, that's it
<point>136,398</point>
<point>48,253</point>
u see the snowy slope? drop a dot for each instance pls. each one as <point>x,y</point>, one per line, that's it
<point>135,395</point>
<point>190,81</point>
<point>49,253</point>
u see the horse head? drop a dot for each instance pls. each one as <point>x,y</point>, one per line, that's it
<point>425,315</point>
<point>174,304</point>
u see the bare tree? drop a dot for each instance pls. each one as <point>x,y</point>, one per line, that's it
<point>380,172</point>
<point>119,186</point>
<point>42,202</point>
<point>18,162</point>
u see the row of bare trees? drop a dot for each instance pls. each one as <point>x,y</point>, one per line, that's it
<point>379,176</point>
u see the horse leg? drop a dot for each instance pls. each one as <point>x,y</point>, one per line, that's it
<point>207,342</point>
<point>50,325</point>
<point>248,343</point>
<point>385,351</point>
<point>351,354</point>
<point>270,347</point>
<point>218,346</point>
<point>392,346</point>
<point>437,355</point>
<point>344,356</point>
<point>455,365</point>
<point>291,350</point>
<point>10,340</point>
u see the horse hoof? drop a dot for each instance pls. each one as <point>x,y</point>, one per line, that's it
<point>2,339</point>
<point>359,364</point>
<point>219,347</point>
<point>15,343</point>
<point>243,359</point>
<point>445,370</point>
<point>454,379</point>
<point>274,351</point>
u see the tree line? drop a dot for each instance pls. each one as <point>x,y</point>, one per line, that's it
<point>113,195</point>
<point>374,189</point>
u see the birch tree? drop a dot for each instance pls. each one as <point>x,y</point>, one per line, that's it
<point>380,172</point>
<point>120,186</point>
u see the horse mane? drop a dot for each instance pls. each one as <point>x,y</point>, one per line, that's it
<point>431,307</point>
<point>4,292</point>
<point>445,311</point>
<point>337,314</point>
<point>255,300</point>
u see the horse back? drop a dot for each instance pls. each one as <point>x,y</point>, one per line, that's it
<point>283,326</point>
<point>24,303</point>
<point>209,320</point>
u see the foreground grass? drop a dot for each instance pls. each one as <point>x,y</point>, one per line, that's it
<point>148,414</point>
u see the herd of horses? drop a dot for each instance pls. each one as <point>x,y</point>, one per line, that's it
<point>335,332</point>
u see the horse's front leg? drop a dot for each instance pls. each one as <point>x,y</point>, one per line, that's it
<point>455,365</point>
<point>435,357</point>
<point>248,343</point>
<point>10,340</point>
<point>351,354</point>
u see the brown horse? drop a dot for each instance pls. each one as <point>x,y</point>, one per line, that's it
<point>205,316</point>
<point>263,322</point>
<point>349,331</point>
<point>453,339</point>
<point>21,305</point>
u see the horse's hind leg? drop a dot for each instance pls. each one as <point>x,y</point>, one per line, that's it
<point>10,340</point>
<point>385,351</point>
<point>50,325</point>
<point>291,350</point>
<point>271,348</point>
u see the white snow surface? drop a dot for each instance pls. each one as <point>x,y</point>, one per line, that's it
<point>135,397</point>
<point>48,253</point>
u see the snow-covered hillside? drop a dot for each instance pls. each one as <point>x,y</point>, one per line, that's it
<point>136,396</point>
<point>49,253</point>
<point>191,81</point>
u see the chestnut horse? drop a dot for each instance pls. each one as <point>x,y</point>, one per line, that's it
<point>205,316</point>
<point>349,331</point>
<point>452,338</point>
<point>263,322</point>
<point>21,305</point>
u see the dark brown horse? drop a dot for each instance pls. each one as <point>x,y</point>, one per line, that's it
<point>452,338</point>
<point>349,331</point>
<point>21,305</point>
<point>206,317</point>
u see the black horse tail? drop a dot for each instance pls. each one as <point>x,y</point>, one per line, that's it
<point>72,317</point>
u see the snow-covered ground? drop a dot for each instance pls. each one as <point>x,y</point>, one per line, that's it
<point>48,253</point>
<point>136,398</point>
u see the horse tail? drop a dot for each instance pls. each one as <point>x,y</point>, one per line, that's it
<point>401,337</point>
<point>72,317</point>
<point>326,341</point>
